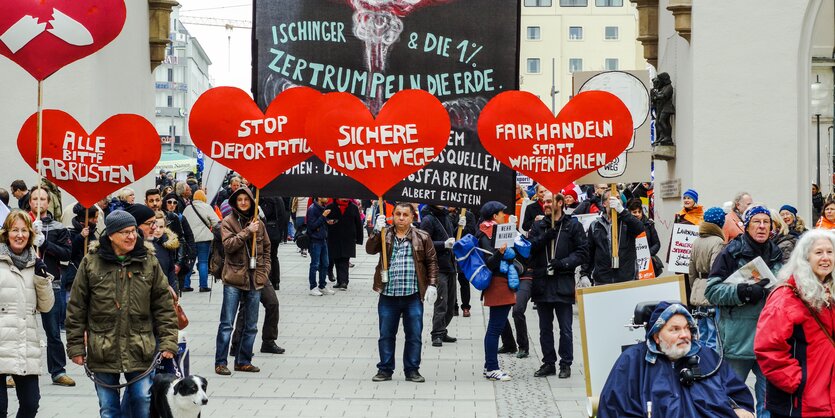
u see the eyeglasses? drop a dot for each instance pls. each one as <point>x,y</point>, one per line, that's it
<point>126,234</point>
<point>172,201</point>
<point>151,224</point>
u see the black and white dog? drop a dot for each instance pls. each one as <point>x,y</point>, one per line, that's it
<point>178,398</point>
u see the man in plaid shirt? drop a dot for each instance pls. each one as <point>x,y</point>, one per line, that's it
<point>411,276</point>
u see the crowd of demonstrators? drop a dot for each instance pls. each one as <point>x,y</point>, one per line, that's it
<point>345,232</point>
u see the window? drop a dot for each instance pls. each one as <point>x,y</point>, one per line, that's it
<point>574,3</point>
<point>575,64</point>
<point>170,74</point>
<point>537,3</point>
<point>611,64</point>
<point>170,101</point>
<point>575,33</point>
<point>533,33</point>
<point>533,65</point>
<point>608,3</point>
<point>611,33</point>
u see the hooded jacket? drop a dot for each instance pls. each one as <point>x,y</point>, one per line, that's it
<point>437,224</point>
<point>57,248</point>
<point>123,306</point>
<point>237,247</point>
<point>566,247</point>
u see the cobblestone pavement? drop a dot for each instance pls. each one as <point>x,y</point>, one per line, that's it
<point>331,344</point>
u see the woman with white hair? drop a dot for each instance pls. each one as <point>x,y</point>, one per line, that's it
<point>794,344</point>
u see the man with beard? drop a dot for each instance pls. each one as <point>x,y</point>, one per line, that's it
<point>646,379</point>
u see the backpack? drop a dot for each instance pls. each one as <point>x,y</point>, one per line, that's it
<point>217,256</point>
<point>468,255</point>
<point>302,238</point>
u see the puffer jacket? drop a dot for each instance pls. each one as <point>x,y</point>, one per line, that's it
<point>567,245</point>
<point>237,247</point>
<point>796,356</point>
<point>706,248</point>
<point>20,345</point>
<point>786,245</point>
<point>738,321</point>
<point>123,306</point>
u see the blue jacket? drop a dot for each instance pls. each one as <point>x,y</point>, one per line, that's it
<point>317,227</point>
<point>634,381</point>
<point>738,321</point>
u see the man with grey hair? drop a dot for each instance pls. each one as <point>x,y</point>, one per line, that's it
<point>733,220</point>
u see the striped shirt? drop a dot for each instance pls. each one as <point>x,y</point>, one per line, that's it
<point>402,274</point>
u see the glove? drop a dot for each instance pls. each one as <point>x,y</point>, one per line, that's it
<point>37,226</point>
<point>752,293</point>
<point>513,220</point>
<point>616,204</point>
<point>557,265</point>
<point>584,282</point>
<point>448,243</point>
<point>431,294</point>
<point>40,268</point>
<point>380,223</point>
<point>39,239</point>
<point>462,221</point>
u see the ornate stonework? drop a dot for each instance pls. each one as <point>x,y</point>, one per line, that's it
<point>159,12</point>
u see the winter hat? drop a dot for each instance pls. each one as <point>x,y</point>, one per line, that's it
<point>755,210</point>
<point>716,216</point>
<point>691,194</point>
<point>491,208</point>
<point>225,208</point>
<point>789,208</point>
<point>570,192</point>
<point>662,313</point>
<point>117,221</point>
<point>200,195</point>
<point>141,213</point>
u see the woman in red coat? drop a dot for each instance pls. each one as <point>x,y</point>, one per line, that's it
<point>793,344</point>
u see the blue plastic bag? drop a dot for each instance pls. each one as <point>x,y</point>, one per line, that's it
<point>522,246</point>
<point>469,259</point>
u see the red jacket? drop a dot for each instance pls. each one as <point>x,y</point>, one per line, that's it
<point>796,357</point>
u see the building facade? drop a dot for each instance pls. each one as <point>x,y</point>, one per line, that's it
<point>560,37</point>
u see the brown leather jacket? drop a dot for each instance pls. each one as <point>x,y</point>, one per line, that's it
<point>426,261</point>
<point>237,247</point>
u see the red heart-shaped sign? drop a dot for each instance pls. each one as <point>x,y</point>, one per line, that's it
<point>119,152</point>
<point>409,132</point>
<point>42,36</point>
<point>230,129</point>
<point>589,132</point>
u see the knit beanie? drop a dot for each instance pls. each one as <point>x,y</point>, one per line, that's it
<point>691,194</point>
<point>569,192</point>
<point>789,208</point>
<point>141,213</point>
<point>117,221</point>
<point>716,216</point>
<point>755,210</point>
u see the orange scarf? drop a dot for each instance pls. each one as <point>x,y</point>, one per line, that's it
<point>824,223</point>
<point>695,216</point>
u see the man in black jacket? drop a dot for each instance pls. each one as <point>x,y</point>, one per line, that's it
<point>437,224</point>
<point>535,210</point>
<point>595,203</point>
<point>599,264</point>
<point>558,247</point>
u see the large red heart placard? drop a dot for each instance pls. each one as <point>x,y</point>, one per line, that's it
<point>42,36</point>
<point>230,129</point>
<point>120,151</point>
<point>409,132</point>
<point>589,132</point>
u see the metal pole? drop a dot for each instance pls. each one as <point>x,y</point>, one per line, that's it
<point>818,119</point>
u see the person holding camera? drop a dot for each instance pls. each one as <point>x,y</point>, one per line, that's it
<point>740,304</point>
<point>558,247</point>
<point>671,375</point>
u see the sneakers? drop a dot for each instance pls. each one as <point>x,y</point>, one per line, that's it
<point>522,354</point>
<point>381,376</point>
<point>315,292</point>
<point>342,287</point>
<point>222,370</point>
<point>271,348</point>
<point>414,376</point>
<point>466,313</point>
<point>246,368</point>
<point>565,372</point>
<point>546,370</point>
<point>63,380</point>
<point>304,253</point>
<point>9,382</point>
<point>506,350</point>
<point>326,291</point>
<point>497,375</point>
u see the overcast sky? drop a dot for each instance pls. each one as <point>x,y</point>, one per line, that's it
<point>216,42</point>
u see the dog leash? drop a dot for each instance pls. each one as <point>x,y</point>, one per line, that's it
<point>156,362</point>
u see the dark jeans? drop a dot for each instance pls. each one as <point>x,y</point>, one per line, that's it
<point>444,305</point>
<point>203,250</point>
<point>565,317</point>
<point>389,310</point>
<point>318,264</point>
<point>342,265</point>
<point>275,267</point>
<point>56,357</point>
<point>232,296</point>
<point>269,333</point>
<point>495,325</point>
<point>28,395</point>
<point>523,296</point>
<point>465,291</point>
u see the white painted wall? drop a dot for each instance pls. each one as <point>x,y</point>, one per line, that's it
<point>117,79</point>
<point>743,120</point>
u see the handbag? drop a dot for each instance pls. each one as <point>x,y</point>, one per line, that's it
<point>182,319</point>
<point>468,255</point>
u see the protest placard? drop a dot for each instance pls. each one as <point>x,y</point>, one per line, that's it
<point>644,260</point>
<point>681,245</point>
<point>505,234</point>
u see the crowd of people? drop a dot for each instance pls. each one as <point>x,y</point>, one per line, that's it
<point>110,276</point>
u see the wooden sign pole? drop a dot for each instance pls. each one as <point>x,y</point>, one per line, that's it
<point>615,258</point>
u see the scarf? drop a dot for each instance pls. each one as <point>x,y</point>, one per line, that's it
<point>695,216</point>
<point>824,223</point>
<point>20,261</point>
<point>343,205</point>
<point>487,228</point>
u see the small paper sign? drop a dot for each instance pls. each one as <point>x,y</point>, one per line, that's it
<point>505,234</point>
<point>681,245</point>
<point>644,261</point>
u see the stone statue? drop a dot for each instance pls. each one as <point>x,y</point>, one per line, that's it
<point>662,101</point>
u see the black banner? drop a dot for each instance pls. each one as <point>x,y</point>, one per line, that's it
<point>463,52</point>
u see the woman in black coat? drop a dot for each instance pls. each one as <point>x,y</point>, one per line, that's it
<point>344,234</point>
